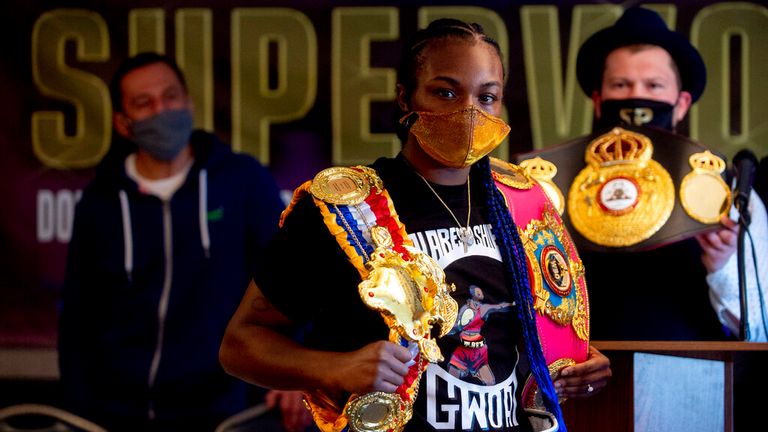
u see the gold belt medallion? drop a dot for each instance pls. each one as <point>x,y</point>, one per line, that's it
<point>703,193</point>
<point>347,186</point>
<point>622,196</point>
<point>377,412</point>
<point>511,175</point>
<point>556,274</point>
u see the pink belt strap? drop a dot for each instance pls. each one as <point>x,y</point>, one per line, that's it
<point>556,276</point>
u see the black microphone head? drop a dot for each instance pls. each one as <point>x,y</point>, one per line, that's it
<point>744,155</point>
<point>744,164</point>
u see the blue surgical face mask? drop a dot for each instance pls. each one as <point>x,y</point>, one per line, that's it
<point>165,134</point>
<point>635,112</point>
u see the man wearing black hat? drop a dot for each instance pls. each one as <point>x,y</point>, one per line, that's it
<point>639,62</point>
<point>639,72</point>
<point>639,65</point>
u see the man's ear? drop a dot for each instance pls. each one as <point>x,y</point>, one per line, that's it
<point>402,98</point>
<point>596,100</point>
<point>683,104</point>
<point>122,124</point>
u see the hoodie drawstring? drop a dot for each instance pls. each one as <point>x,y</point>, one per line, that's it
<point>127,235</point>
<point>203,213</point>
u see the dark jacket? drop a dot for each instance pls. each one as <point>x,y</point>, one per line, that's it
<point>150,287</point>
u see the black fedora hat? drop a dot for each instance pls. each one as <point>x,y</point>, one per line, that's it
<point>640,26</point>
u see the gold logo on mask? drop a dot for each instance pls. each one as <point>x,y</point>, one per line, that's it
<point>636,116</point>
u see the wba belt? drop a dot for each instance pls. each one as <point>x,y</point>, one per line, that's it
<point>406,286</point>
<point>632,188</point>
<point>556,274</point>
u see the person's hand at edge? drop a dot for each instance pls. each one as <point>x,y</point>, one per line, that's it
<point>584,379</point>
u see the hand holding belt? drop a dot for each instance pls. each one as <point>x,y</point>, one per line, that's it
<point>406,286</point>
<point>412,297</point>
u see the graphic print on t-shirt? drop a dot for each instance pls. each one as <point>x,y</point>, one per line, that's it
<point>475,387</point>
<point>471,357</point>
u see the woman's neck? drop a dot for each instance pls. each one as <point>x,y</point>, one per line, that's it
<point>431,169</point>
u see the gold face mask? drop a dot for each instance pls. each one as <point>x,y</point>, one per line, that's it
<point>457,139</point>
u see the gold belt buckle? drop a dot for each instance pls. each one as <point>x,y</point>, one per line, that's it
<point>622,196</point>
<point>377,412</point>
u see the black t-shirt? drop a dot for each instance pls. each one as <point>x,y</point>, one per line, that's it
<point>478,385</point>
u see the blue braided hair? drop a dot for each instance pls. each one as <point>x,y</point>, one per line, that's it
<point>516,272</point>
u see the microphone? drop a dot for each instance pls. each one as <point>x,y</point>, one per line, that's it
<point>744,162</point>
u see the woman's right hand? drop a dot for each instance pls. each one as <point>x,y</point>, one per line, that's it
<point>256,348</point>
<point>378,366</point>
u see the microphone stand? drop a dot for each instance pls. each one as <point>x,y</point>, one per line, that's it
<point>744,221</point>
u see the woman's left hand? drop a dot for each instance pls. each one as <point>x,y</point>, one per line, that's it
<point>584,379</point>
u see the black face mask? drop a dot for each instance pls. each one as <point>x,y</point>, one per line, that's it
<point>636,112</point>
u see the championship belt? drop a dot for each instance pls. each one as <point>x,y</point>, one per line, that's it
<point>406,286</point>
<point>622,196</point>
<point>558,287</point>
<point>637,187</point>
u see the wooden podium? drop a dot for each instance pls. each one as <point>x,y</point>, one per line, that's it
<point>661,385</point>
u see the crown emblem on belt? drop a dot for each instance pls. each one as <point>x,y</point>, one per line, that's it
<point>544,171</point>
<point>539,168</point>
<point>707,162</point>
<point>619,146</point>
